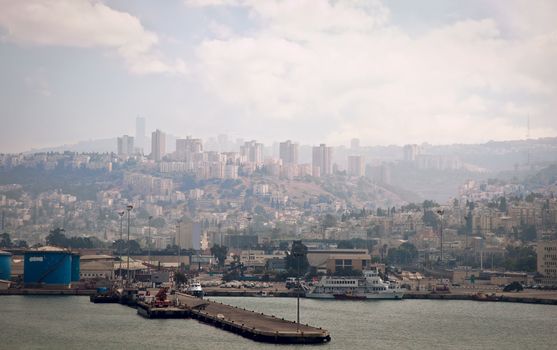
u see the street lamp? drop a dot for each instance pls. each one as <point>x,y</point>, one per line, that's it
<point>149,248</point>
<point>441,212</point>
<point>121,213</point>
<point>249,237</point>
<point>129,209</point>
<point>179,245</point>
<point>298,255</point>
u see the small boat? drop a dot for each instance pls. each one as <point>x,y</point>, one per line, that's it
<point>195,289</point>
<point>480,296</point>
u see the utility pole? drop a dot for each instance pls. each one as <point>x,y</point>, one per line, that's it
<point>149,248</point>
<point>298,298</point>
<point>249,237</point>
<point>298,255</point>
<point>220,232</point>
<point>121,213</point>
<point>441,212</point>
<point>179,245</point>
<point>129,209</point>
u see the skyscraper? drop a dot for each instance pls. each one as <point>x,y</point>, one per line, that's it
<point>322,159</point>
<point>140,133</point>
<point>356,166</point>
<point>355,144</point>
<point>125,145</point>
<point>188,235</point>
<point>253,151</point>
<point>158,145</point>
<point>187,146</point>
<point>288,152</point>
<point>410,152</point>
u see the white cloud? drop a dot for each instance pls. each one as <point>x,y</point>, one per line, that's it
<point>87,24</point>
<point>343,64</point>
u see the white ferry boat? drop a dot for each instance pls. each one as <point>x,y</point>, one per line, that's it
<point>369,286</point>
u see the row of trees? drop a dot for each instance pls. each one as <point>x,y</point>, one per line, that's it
<point>59,239</point>
<point>6,242</point>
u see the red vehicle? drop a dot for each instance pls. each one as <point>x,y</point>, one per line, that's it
<point>160,298</point>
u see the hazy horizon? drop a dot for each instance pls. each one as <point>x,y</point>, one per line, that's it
<point>386,72</point>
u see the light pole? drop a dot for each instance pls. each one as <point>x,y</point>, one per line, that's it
<point>129,209</point>
<point>298,298</point>
<point>441,212</point>
<point>149,248</point>
<point>220,232</point>
<point>179,245</point>
<point>249,237</point>
<point>297,247</point>
<point>121,213</point>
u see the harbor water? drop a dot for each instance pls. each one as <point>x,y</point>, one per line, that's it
<point>42,322</point>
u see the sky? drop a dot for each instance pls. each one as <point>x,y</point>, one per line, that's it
<point>313,71</point>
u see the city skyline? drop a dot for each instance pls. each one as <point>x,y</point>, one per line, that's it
<point>398,74</point>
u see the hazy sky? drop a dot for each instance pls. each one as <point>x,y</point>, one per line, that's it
<point>389,72</point>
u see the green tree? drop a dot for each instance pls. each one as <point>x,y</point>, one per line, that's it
<point>520,259</point>
<point>180,277</point>
<point>329,221</point>
<point>503,204</point>
<point>405,254</point>
<point>5,240</point>
<point>135,248</point>
<point>57,238</point>
<point>158,222</point>
<point>21,244</point>
<point>528,233</point>
<point>220,252</point>
<point>296,259</point>
<point>121,247</point>
<point>430,219</point>
<point>345,245</point>
<point>428,204</point>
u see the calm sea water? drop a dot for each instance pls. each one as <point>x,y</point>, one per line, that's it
<point>32,322</point>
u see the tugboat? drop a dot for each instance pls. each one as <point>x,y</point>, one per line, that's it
<point>195,289</point>
<point>369,286</point>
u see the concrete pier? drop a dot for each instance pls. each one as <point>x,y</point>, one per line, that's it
<point>253,325</point>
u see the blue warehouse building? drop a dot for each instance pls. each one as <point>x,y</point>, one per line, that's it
<point>50,267</point>
<point>5,265</point>
<point>76,262</point>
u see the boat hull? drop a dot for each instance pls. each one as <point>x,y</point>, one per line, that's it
<point>368,296</point>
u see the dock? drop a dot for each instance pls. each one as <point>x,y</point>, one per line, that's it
<point>253,325</point>
<point>246,323</point>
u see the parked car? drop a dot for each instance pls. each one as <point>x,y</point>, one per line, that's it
<point>513,287</point>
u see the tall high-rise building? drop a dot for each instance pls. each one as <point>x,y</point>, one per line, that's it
<point>253,151</point>
<point>188,235</point>
<point>223,142</point>
<point>355,144</point>
<point>547,261</point>
<point>140,133</point>
<point>288,152</point>
<point>410,152</point>
<point>158,145</point>
<point>322,159</point>
<point>188,146</point>
<point>356,166</point>
<point>125,145</point>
